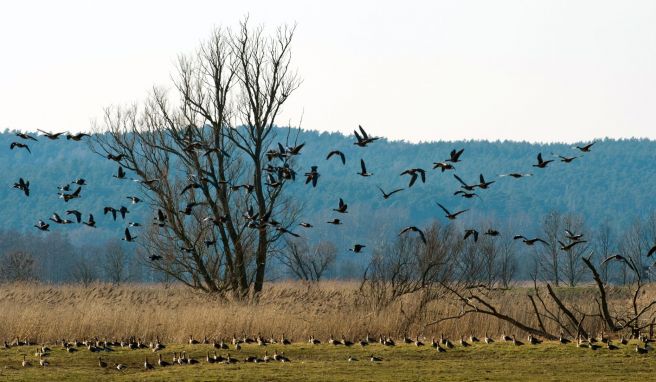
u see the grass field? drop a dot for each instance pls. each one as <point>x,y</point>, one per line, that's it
<point>498,361</point>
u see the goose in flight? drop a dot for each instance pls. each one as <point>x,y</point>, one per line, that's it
<point>342,207</point>
<point>123,210</point>
<point>454,157</point>
<point>57,219</point>
<point>541,162</point>
<point>335,222</point>
<point>43,226</point>
<point>619,258</point>
<point>80,182</point>
<point>155,257</point>
<point>388,195</point>
<point>364,139</point>
<point>23,186</point>
<point>568,247</point>
<point>312,176</point>
<point>586,148</point>
<point>26,136</point>
<point>305,225</point>
<point>516,175</point>
<point>338,153</point>
<point>567,159</point>
<point>471,232</point>
<point>466,195</point>
<point>414,229</point>
<point>294,150</point>
<point>76,137</point>
<point>116,158</point>
<point>127,237</point>
<point>285,230</point>
<point>160,219</point>
<point>91,223</point>
<point>414,173</point>
<point>464,185</point>
<point>357,248</point>
<point>449,215</point>
<point>74,195</point>
<point>20,146</point>
<point>530,241</point>
<point>572,236</point>
<point>363,169</point>
<point>120,174</point>
<point>78,214</point>
<point>110,209</point>
<point>483,185</point>
<point>492,232</point>
<point>51,136</point>
<point>134,199</point>
<point>443,166</point>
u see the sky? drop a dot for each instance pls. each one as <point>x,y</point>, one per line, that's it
<point>538,71</point>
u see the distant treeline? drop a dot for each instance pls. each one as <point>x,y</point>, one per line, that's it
<point>610,186</point>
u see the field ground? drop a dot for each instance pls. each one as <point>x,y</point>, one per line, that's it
<point>494,362</point>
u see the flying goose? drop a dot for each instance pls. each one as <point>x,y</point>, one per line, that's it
<point>51,136</point>
<point>20,146</point>
<point>312,176</point>
<point>342,207</point>
<point>516,175</point>
<point>443,166</point>
<point>363,169</point>
<point>568,247</point>
<point>76,137</point>
<point>120,174</point>
<point>530,241</point>
<point>471,232</point>
<point>78,215</point>
<point>586,148</point>
<point>339,153</point>
<point>464,185</point>
<point>23,186</point>
<point>26,136</point>
<point>74,195</point>
<point>388,195</point>
<point>415,173</point>
<point>414,229</point>
<point>357,248</point>
<point>454,157</point>
<point>483,185</point>
<point>572,236</point>
<point>567,159</point>
<point>127,237</point>
<point>542,163</point>
<point>364,139</point>
<point>449,215</point>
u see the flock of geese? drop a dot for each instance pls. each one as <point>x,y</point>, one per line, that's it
<point>275,175</point>
<point>643,345</point>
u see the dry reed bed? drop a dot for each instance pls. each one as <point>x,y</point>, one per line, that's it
<point>47,313</point>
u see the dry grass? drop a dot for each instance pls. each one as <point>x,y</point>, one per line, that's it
<point>46,313</point>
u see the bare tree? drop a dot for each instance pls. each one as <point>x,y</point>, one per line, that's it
<point>307,263</point>
<point>549,255</point>
<point>604,246</point>
<point>572,267</point>
<point>116,264</point>
<point>203,161</point>
<point>17,266</point>
<point>84,271</point>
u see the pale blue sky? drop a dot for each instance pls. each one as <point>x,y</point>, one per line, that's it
<point>414,70</point>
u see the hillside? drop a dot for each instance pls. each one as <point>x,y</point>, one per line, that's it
<point>610,184</point>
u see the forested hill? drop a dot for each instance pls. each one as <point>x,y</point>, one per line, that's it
<point>615,182</point>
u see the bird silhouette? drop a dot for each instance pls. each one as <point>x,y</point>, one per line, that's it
<point>78,214</point>
<point>415,173</point>
<point>51,136</point>
<point>338,153</point>
<point>388,195</point>
<point>74,195</point>
<point>312,176</point>
<point>23,186</point>
<point>43,226</point>
<point>26,136</point>
<point>364,139</point>
<point>414,229</point>
<point>20,146</point>
<point>471,232</point>
<point>464,185</point>
<point>76,137</point>
<point>363,169</point>
<point>449,215</point>
<point>541,162</point>
<point>91,223</point>
<point>454,157</point>
<point>516,175</point>
<point>120,174</point>
<point>127,236</point>
<point>530,241</point>
<point>443,166</point>
<point>357,248</point>
<point>586,148</point>
<point>342,207</point>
